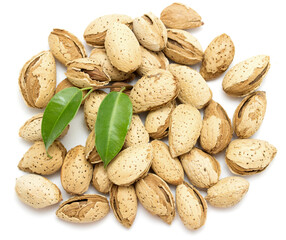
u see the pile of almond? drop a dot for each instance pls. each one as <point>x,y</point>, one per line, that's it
<point>172,94</point>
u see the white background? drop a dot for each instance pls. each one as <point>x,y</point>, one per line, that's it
<point>256,27</point>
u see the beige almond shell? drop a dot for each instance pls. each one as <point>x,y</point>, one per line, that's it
<point>100,180</point>
<point>216,131</point>
<point>90,151</point>
<point>152,60</point>
<point>151,26</point>
<point>217,57</point>
<point>123,202</point>
<point>91,106</point>
<point>86,72</point>
<point>246,76</point>
<point>37,80</point>
<point>183,48</point>
<point>193,89</point>
<point>36,160</point>
<point>202,169</point>
<point>76,172</point>
<point>249,156</point>
<point>83,209</point>
<point>95,32</point>
<point>137,133</point>
<point>37,191</point>
<point>130,165</point>
<point>156,197</point>
<point>185,128</point>
<point>179,16</point>
<point>157,121</point>
<point>191,206</point>
<point>153,90</point>
<point>166,167</point>
<point>227,192</point>
<point>122,48</point>
<point>65,46</point>
<point>31,130</point>
<point>249,114</point>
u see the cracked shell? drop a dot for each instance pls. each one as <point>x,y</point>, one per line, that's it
<point>156,197</point>
<point>130,165</point>
<point>37,80</point>
<point>84,209</point>
<point>90,151</point>
<point>100,180</point>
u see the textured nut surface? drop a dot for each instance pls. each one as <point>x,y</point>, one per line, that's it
<point>122,48</point>
<point>202,169</point>
<point>179,16</point>
<point>185,128</point>
<point>83,209</point>
<point>217,57</point>
<point>227,192</point>
<point>153,90</point>
<point>65,46</point>
<point>246,76</point>
<point>130,164</point>
<point>193,89</point>
<point>100,180</point>
<point>166,167</point>
<point>156,197</point>
<point>137,133</point>
<point>191,206</point>
<point>216,131</point>
<point>37,80</point>
<point>36,160</point>
<point>76,172</point>
<point>151,26</point>
<point>37,191</point>
<point>90,151</point>
<point>95,32</point>
<point>249,156</point>
<point>249,114</point>
<point>183,48</point>
<point>123,202</point>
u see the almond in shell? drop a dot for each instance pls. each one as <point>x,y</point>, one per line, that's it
<point>90,150</point>
<point>100,180</point>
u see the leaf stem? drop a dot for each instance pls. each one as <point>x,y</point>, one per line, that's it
<point>122,89</point>
<point>89,92</point>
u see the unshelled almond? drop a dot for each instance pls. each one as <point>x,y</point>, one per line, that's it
<point>100,180</point>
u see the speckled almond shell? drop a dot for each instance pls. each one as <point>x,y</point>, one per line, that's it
<point>130,165</point>
<point>123,202</point>
<point>100,180</point>
<point>246,76</point>
<point>36,160</point>
<point>227,192</point>
<point>217,57</point>
<point>193,89</point>
<point>249,156</point>
<point>183,48</point>
<point>90,151</point>
<point>65,46</point>
<point>137,133</point>
<point>202,169</point>
<point>84,209</point>
<point>216,131</point>
<point>191,206</point>
<point>151,26</point>
<point>156,197</point>
<point>76,172</point>
<point>152,60</point>
<point>122,48</point>
<point>91,107</point>
<point>37,80</point>
<point>249,114</point>
<point>37,191</point>
<point>157,121</point>
<point>166,167</point>
<point>95,32</point>
<point>86,72</point>
<point>185,128</point>
<point>153,90</point>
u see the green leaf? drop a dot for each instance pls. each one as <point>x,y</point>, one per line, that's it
<point>59,112</point>
<point>112,123</point>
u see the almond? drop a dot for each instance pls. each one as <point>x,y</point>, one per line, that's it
<point>100,180</point>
